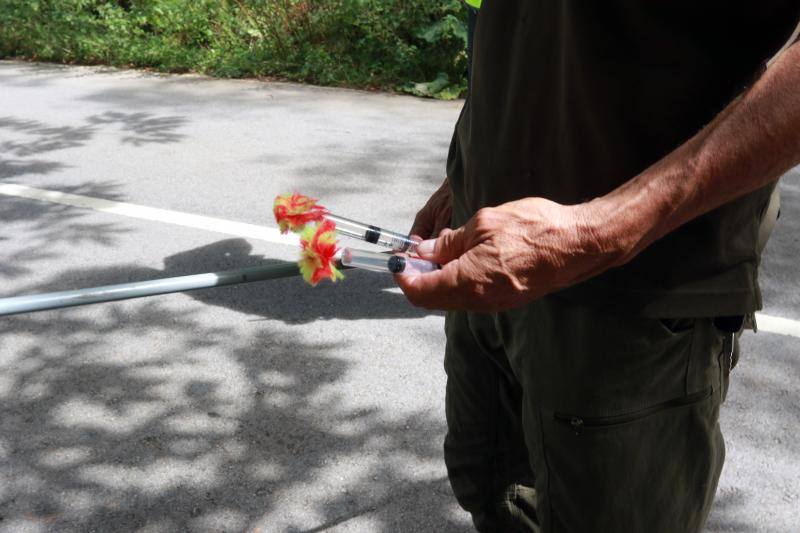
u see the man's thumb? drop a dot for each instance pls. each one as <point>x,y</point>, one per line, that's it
<point>450,245</point>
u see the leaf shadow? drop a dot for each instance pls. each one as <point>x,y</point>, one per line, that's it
<point>130,416</point>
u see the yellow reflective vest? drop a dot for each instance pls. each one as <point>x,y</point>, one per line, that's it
<point>474,3</point>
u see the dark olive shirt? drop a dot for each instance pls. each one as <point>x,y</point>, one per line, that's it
<point>570,99</point>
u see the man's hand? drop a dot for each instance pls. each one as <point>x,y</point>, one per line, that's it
<point>435,215</point>
<point>510,255</point>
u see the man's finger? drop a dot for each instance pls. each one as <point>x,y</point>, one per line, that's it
<point>451,244</point>
<point>433,290</point>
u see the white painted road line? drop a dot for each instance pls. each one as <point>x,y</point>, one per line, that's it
<point>779,325</point>
<point>767,323</point>
<point>218,225</point>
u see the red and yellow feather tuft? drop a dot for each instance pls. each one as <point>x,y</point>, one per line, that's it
<point>318,245</point>
<point>294,211</point>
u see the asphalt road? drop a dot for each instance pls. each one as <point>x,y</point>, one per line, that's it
<point>272,406</point>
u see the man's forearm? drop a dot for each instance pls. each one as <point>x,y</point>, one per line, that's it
<point>750,144</point>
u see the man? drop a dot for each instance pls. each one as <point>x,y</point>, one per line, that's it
<point>610,183</point>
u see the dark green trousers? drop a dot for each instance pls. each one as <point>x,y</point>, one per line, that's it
<point>563,418</point>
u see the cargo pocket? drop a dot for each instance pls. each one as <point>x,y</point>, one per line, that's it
<point>578,423</point>
<point>652,469</point>
<point>677,326</point>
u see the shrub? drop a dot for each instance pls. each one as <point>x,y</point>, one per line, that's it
<point>415,46</point>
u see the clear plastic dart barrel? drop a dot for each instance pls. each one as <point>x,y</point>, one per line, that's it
<point>395,264</point>
<point>373,234</point>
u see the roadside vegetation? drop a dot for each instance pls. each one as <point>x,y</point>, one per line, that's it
<point>414,46</point>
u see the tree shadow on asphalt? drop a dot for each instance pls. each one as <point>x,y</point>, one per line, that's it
<point>211,431</point>
<point>10,168</point>
<point>48,224</point>
<point>33,138</point>
<point>36,137</point>
<point>142,128</point>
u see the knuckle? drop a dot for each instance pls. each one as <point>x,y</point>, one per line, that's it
<point>443,242</point>
<point>510,281</point>
<point>484,219</point>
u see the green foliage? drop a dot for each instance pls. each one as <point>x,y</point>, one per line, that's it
<point>415,46</point>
